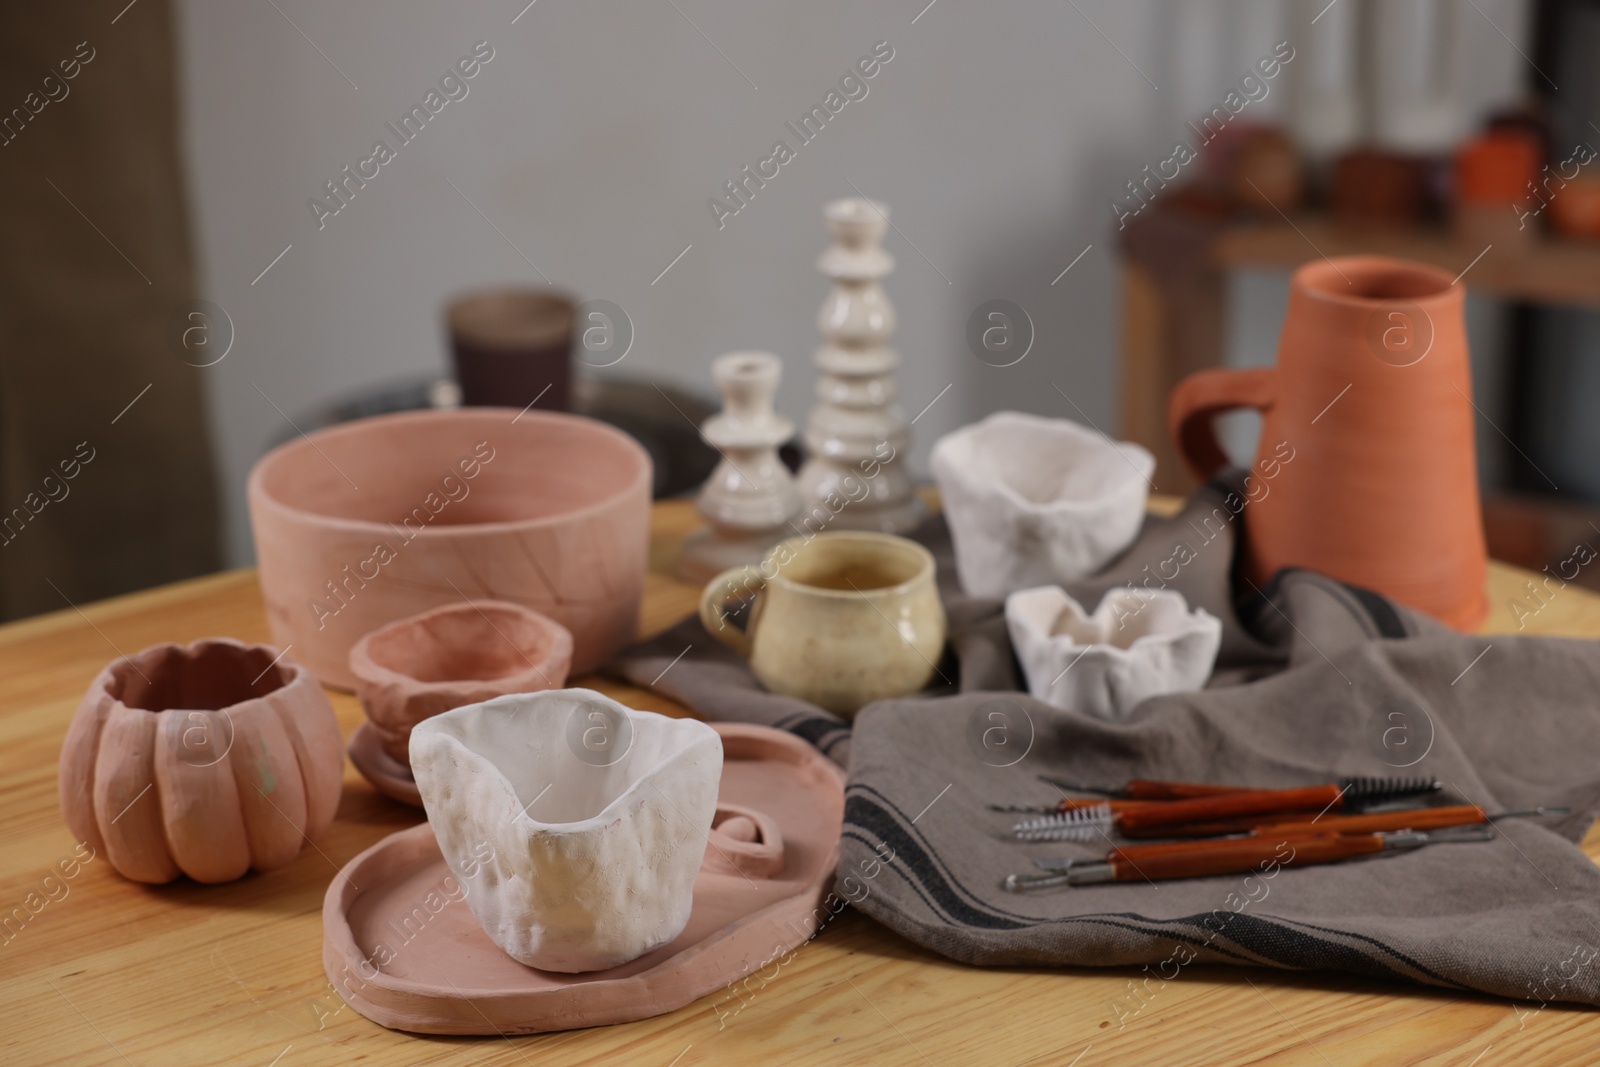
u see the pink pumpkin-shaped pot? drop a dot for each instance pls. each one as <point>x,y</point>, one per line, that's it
<point>207,760</point>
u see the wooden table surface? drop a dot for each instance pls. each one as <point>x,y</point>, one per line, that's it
<point>111,972</point>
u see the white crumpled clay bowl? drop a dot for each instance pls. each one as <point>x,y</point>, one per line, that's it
<point>576,824</point>
<point>1137,644</point>
<point>1033,501</point>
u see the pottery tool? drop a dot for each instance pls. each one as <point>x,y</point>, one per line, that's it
<point>1416,818</point>
<point>1155,789</point>
<point>1073,804</point>
<point>1365,822</point>
<point>1147,817</point>
<point>1200,859</point>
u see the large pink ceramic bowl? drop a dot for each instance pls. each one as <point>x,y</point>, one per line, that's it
<point>368,522</point>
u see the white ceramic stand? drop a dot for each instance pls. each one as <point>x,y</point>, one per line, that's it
<point>750,498</point>
<point>855,478</point>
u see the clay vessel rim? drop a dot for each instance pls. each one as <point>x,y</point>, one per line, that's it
<point>257,493</point>
<point>855,209</point>
<point>533,702</point>
<point>1322,279</point>
<point>295,678</point>
<point>926,570</point>
<point>1194,622</point>
<point>746,364</point>
<point>1139,459</point>
<point>371,671</point>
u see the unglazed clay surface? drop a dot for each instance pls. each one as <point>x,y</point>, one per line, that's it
<point>401,944</point>
<point>575,823</point>
<point>204,760</point>
<point>455,655</point>
<point>1032,500</point>
<point>389,776</point>
<point>371,521</point>
<point>1387,340</point>
<point>1137,644</point>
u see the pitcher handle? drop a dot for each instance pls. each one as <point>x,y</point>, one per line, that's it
<point>1204,395</point>
<point>722,591</point>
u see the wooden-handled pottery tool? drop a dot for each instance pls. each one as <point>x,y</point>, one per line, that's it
<point>1372,789</point>
<point>1199,859</point>
<point>1148,815</point>
<point>1370,822</point>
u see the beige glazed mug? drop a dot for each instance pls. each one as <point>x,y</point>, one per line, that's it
<point>839,619</point>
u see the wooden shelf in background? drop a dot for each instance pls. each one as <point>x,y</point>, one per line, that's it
<point>1540,270</point>
<point>1174,294</point>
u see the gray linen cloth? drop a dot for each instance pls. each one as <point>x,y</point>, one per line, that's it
<point>1314,680</point>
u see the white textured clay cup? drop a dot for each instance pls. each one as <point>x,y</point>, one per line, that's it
<point>1033,501</point>
<point>576,825</point>
<point>1137,644</point>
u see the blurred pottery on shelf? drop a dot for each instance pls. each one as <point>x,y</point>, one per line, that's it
<point>1036,501</point>
<point>839,618</point>
<point>1575,208</point>
<point>1137,644</point>
<point>1255,166</point>
<point>206,760</point>
<point>1369,460</point>
<point>1376,189</point>
<point>575,824</point>
<point>372,521</point>
<point>451,656</point>
<point>1267,175</point>
<point>1495,174</point>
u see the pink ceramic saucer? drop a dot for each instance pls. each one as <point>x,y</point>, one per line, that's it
<point>403,948</point>
<point>388,775</point>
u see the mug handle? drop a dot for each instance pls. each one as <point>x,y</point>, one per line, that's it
<point>1204,395</point>
<point>719,593</point>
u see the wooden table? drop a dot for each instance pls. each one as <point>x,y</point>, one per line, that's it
<point>119,973</point>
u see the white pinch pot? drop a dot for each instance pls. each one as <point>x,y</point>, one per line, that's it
<point>1137,644</point>
<point>576,824</point>
<point>1031,500</point>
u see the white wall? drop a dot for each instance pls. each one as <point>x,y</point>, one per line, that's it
<point>595,136</point>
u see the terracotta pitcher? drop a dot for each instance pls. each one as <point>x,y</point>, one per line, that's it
<point>1367,466</point>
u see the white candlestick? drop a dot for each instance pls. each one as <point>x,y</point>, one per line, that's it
<point>855,478</point>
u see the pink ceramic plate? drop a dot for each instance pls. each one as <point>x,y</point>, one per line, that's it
<point>402,947</point>
<point>388,775</point>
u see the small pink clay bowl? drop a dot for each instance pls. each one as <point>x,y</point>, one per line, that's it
<point>372,521</point>
<point>460,654</point>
